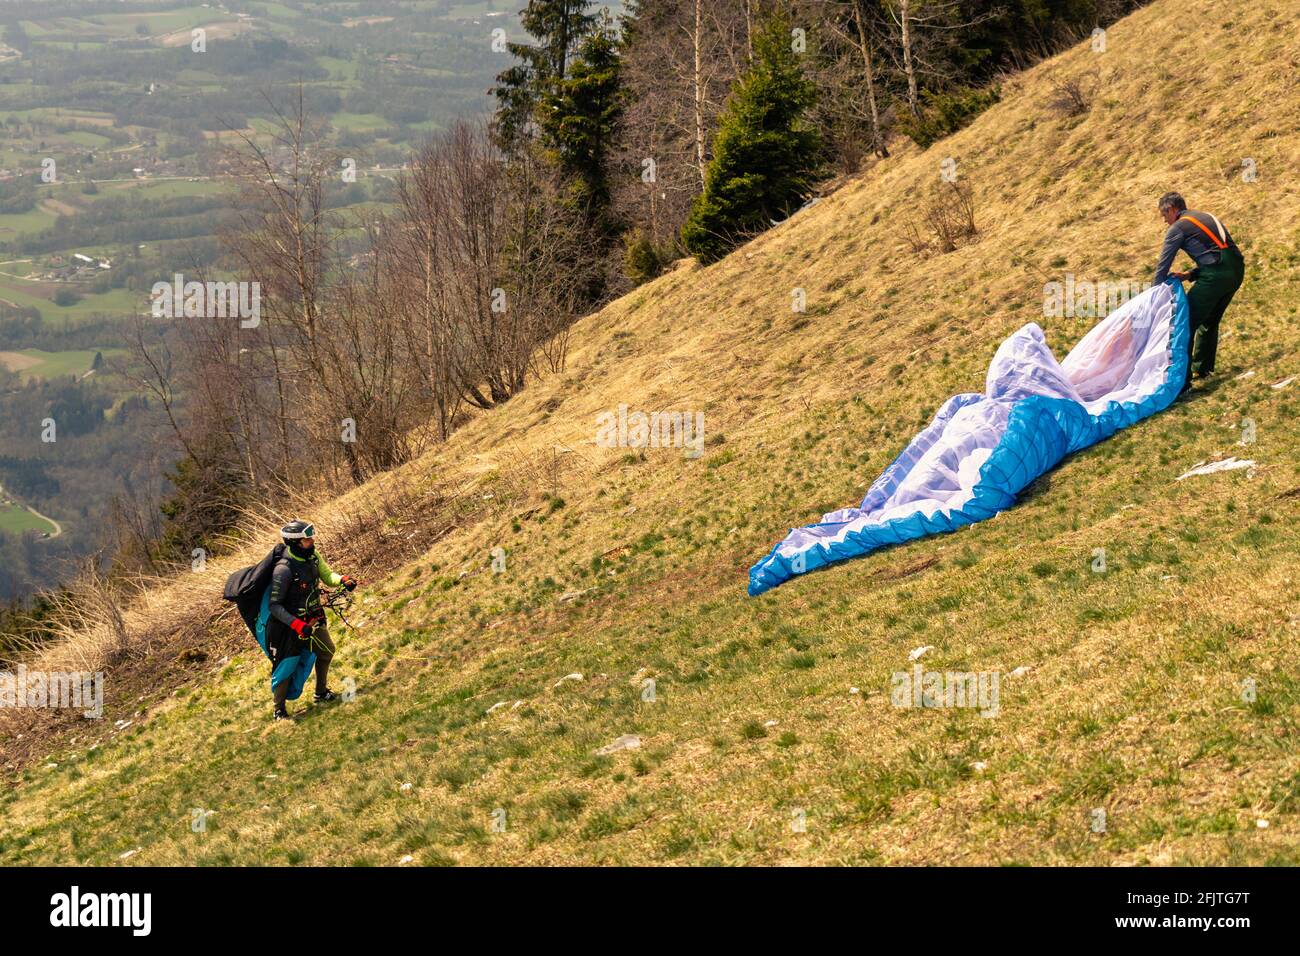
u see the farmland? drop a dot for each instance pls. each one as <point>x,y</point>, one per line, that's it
<point>117,122</point>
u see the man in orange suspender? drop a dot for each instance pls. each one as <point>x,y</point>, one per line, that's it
<point>1216,277</point>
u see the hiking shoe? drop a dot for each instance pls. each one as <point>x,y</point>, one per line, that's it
<point>281,714</point>
<point>328,697</point>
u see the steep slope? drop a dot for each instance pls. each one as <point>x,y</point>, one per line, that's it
<point>1123,733</point>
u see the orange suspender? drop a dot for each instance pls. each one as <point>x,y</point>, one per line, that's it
<point>1213,238</point>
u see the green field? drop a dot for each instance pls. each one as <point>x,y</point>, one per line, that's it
<point>17,224</point>
<point>54,364</point>
<point>117,301</point>
<point>16,519</point>
<point>18,267</point>
<point>161,21</point>
<point>358,121</point>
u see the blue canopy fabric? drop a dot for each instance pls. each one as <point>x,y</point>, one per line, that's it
<point>982,450</point>
<point>294,669</point>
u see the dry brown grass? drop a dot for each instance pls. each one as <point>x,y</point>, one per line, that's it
<point>1129,704</point>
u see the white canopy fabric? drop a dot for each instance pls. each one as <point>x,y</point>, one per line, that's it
<point>981,450</point>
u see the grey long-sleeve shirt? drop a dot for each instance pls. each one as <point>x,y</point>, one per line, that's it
<point>1183,234</point>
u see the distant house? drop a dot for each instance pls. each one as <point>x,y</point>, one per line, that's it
<point>79,256</point>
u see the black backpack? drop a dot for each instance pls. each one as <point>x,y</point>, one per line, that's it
<point>246,586</point>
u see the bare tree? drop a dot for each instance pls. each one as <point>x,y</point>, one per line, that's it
<point>903,18</point>
<point>924,29</point>
<point>842,63</point>
<point>497,263</point>
<point>680,59</point>
<point>869,71</point>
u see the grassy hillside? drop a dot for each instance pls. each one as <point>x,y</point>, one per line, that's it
<point>1121,690</point>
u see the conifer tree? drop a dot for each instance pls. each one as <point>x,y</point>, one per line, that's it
<point>558,26</point>
<point>579,117</point>
<point>766,153</point>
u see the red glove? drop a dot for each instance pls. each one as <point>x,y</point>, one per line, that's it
<point>300,626</point>
<point>349,583</point>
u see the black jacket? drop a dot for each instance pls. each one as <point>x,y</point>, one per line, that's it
<point>295,594</point>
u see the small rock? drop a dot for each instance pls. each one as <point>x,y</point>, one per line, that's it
<point>1020,671</point>
<point>406,786</point>
<point>1282,384</point>
<point>1214,468</point>
<point>770,723</point>
<point>1262,824</point>
<point>573,676</point>
<point>917,653</point>
<point>500,703</point>
<point>408,858</point>
<point>854,690</point>
<point>573,595</point>
<point>626,742</point>
<point>979,766</point>
<point>128,854</point>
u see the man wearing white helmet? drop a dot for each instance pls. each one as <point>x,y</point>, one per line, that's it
<point>297,621</point>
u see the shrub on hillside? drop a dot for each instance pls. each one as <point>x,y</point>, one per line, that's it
<point>643,259</point>
<point>1073,97</point>
<point>946,221</point>
<point>944,113</point>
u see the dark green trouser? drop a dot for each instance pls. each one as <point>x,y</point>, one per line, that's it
<point>1207,301</point>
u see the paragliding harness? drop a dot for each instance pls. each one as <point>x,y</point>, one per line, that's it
<point>247,586</point>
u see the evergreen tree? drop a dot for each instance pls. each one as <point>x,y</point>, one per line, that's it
<point>579,116</point>
<point>558,26</point>
<point>765,156</point>
<point>205,504</point>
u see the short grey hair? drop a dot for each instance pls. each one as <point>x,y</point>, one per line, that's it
<point>1172,201</point>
